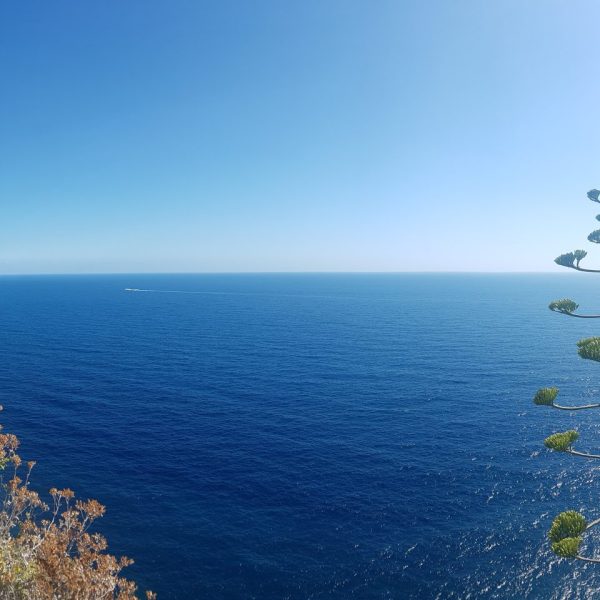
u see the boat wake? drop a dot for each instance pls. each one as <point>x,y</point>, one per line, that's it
<point>177,292</point>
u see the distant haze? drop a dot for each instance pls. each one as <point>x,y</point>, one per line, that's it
<point>241,136</point>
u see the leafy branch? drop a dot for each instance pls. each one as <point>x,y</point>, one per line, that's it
<point>594,195</point>
<point>547,397</point>
<point>566,535</point>
<point>563,442</point>
<point>568,307</point>
<point>572,260</point>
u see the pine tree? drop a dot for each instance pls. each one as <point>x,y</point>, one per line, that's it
<point>568,527</point>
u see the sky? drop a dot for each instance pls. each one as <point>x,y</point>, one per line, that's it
<point>313,135</point>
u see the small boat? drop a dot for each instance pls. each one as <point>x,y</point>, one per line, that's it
<point>132,289</point>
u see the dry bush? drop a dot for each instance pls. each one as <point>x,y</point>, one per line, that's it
<point>47,551</point>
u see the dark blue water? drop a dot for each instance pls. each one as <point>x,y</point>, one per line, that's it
<point>311,436</point>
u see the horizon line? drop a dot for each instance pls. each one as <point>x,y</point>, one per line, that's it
<point>138,273</point>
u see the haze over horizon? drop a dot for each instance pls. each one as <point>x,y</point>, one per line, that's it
<point>207,273</point>
<point>340,136</point>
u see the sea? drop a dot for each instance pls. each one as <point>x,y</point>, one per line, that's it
<point>312,436</point>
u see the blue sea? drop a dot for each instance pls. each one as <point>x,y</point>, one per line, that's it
<point>311,436</point>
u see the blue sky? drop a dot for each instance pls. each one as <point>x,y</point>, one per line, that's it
<point>297,136</point>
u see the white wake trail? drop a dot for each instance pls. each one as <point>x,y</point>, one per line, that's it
<point>187,292</point>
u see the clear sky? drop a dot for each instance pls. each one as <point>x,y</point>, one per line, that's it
<point>297,135</point>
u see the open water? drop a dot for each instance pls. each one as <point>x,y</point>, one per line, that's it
<point>311,436</point>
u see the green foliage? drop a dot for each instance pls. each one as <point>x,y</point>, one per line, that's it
<point>565,306</point>
<point>594,195</point>
<point>567,548</point>
<point>565,260</point>
<point>567,527</point>
<point>545,396</point>
<point>570,259</point>
<point>568,524</point>
<point>561,442</point>
<point>589,348</point>
<point>579,254</point>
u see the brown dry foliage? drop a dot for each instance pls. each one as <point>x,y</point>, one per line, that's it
<point>47,551</point>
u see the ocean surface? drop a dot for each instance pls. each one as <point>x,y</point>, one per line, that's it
<point>311,436</point>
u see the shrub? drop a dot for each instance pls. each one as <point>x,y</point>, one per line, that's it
<point>47,551</point>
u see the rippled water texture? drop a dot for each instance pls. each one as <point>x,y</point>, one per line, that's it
<point>311,436</point>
